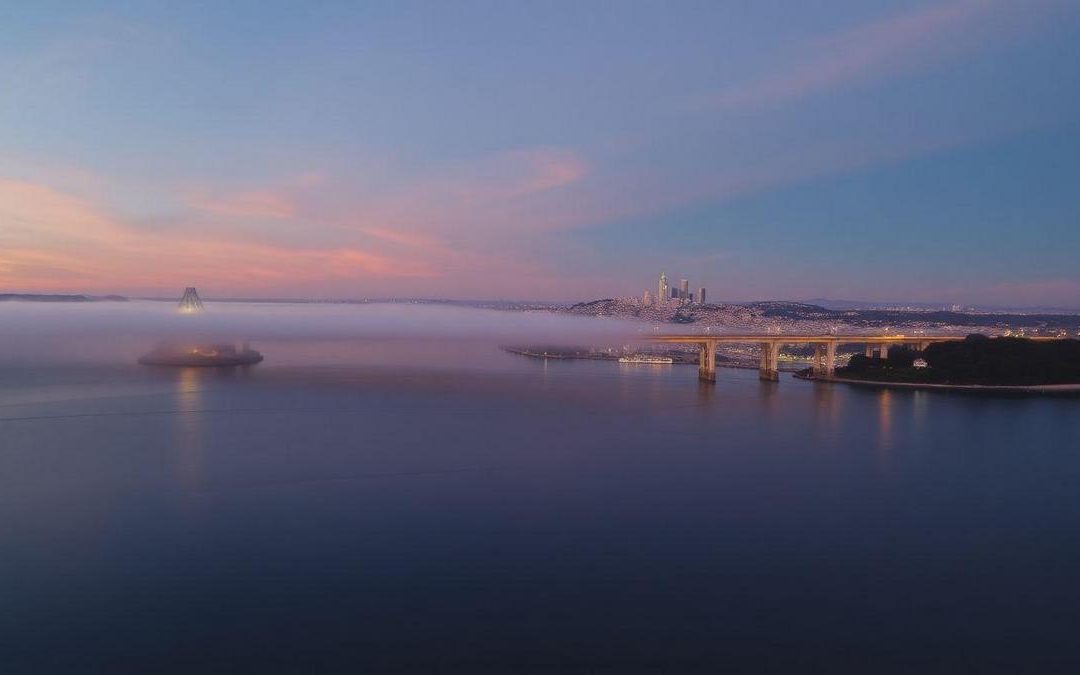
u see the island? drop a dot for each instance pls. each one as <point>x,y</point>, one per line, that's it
<point>209,356</point>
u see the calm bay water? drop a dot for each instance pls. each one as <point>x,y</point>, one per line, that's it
<point>416,504</point>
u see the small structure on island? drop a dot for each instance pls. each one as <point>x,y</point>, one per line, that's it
<point>179,353</point>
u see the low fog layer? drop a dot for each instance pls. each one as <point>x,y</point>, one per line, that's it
<point>75,331</point>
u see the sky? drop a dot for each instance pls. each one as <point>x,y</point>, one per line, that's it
<point>854,149</point>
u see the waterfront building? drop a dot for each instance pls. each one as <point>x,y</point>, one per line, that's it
<point>684,289</point>
<point>662,292</point>
<point>647,298</point>
<point>701,295</point>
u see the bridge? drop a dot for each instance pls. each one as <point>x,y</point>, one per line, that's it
<point>824,362</point>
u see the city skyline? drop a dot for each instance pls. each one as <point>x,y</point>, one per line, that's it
<point>881,152</point>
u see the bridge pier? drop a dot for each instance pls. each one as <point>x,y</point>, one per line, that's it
<point>825,359</point>
<point>707,362</point>
<point>869,351</point>
<point>770,361</point>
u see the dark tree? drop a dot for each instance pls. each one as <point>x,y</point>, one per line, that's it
<point>901,357</point>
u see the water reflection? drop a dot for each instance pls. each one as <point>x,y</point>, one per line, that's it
<point>885,420</point>
<point>920,405</point>
<point>827,410</point>
<point>190,445</point>
<point>766,495</point>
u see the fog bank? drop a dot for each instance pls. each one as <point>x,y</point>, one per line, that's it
<point>121,330</point>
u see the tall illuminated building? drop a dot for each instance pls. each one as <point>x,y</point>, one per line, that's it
<point>663,292</point>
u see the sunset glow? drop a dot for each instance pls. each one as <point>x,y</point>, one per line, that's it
<point>359,171</point>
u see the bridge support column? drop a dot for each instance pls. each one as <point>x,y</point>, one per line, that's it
<point>707,362</point>
<point>819,359</point>
<point>770,361</point>
<point>883,350</point>
<point>869,351</point>
<point>825,359</point>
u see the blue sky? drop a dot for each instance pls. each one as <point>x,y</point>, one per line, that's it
<point>872,150</point>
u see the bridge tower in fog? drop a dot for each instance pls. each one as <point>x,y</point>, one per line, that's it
<point>190,302</point>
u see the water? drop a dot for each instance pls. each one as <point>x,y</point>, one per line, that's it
<point>418,504</point>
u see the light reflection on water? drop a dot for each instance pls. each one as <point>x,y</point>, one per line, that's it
<point>190,442</point>
<point>885,419</point>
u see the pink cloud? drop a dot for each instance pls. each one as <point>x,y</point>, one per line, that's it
<point>398,237</point>
<point>252,204</point>
<point>496,191</point>
<point>54,241</point>
<point>499,178</point>
<point>519,190</point>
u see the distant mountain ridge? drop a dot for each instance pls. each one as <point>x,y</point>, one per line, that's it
<point>938,306</point>
<point>60,297</point>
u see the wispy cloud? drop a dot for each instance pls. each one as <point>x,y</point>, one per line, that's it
<point>409,239</point>
<point>253,204</point>
<point>882,49</point>
<point>55,241</point>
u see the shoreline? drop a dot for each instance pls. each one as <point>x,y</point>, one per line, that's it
<point>970,388</point>
<point>680,359</point>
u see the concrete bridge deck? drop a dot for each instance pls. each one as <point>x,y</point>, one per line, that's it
<point>824,363</point>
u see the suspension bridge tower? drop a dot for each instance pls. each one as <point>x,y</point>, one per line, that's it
<point>190,302</point>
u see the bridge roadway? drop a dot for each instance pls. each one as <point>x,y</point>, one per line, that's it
<point>824,363</point>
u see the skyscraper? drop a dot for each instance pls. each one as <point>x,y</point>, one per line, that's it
<point>701,295</point>
<point>663,290</point>
<point>684,289</point>
<point>647,298</point>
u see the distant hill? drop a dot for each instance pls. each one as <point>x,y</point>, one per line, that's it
<point>56,297</point>
<point>815,317</point>
<point>939,306</point>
